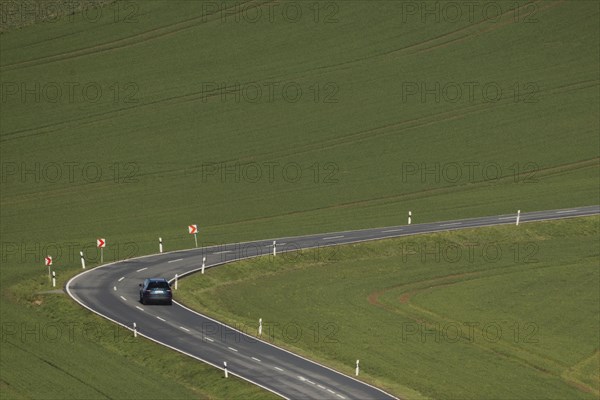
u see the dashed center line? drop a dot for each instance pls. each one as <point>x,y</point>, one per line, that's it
<point>451,224</point>
<point>141,269</point>
<point>232,349</point>
<point>311,382</point>
<point>222,252</point>
<point>209,339</point>
<point>278,369</point>
<point>121,278</point>
<point>566,211</point>
<point>163,320</point>
<point>513,217</point>
<point>256,359</point>
<point>333,237</point>
<point>184,328</point>
<point>172,261</point>
<point>330,391</point>
<point>139,308</point>
<point>340,396</point>
<point>123,298</point>
<point>391,230</point>
<point>321,386</point>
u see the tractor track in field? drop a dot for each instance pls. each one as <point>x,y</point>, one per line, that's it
<point>62,370</point>
<point>502,348</point>
<point>351,138</point>
<point>118,44</point>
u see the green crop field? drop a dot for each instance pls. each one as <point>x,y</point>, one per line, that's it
<point>129,120</point>
<point>490,313</point>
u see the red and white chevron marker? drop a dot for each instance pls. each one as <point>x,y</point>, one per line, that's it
<point>193,230</point>
<point>48,262</point>
<point>102,244</point>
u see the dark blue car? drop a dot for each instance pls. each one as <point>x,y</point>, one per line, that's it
<point>156,290</point>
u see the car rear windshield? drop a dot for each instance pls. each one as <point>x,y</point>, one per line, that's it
<point>158,285</point>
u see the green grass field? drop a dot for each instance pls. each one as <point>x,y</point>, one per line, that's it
<point>489,313</point>
<point>112,124</point>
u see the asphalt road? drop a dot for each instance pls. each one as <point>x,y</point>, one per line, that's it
<point>111,291</point>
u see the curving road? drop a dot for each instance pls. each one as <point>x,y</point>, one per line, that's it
<point>111,291</point>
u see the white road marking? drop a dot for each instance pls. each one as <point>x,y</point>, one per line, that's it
<point>139,308</point>
<point>184,328</point>
<point>340,396</point>
<point>163,320</point>
<point>121,278</point>
<point>179,259</point>
<point>278,244</point>
<point>222,252</point>
<point>452,223</point>
<point>255,359</point>
<point>333,237</point>
<point>232,349</point>
<point>321,386</point>
<point>278,369</point>
<point>566,211</point>
<point>311,382</point>
<point>330,391</point>
<point>508,217</point>
<point>209,339</point>
<point>141,269</point>
<point>391,230</point>
<point>123,298</point>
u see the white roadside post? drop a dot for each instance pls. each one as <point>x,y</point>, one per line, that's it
<point>518,216</point>
<point>134,329</point>
<point>409,217</point>
<point>357,369</point>
<point>53,279</point>
<point>203,261</point>
<point>260,327</point>
<point>275,248</point>
<point>193,230</point>
<point>176,278</point>
<point>102,244</point>
<point>82,260</point>
<point>225,370</point>
<point>160,249</point>
<point>48,261</point>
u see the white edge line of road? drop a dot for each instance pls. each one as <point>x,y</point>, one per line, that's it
<point>217,246</point>
<point>219,322</point>
<point>158,341</point>
<point>456,227</point>
<point>270,344</point>
<point>67,288</point>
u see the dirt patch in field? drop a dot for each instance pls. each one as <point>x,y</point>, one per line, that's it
<point>405,297</point>
<point>416,287</point>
